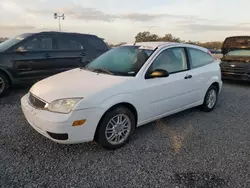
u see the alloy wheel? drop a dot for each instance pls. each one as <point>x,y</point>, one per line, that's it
<point>211,98</point>
<point>118,129</point>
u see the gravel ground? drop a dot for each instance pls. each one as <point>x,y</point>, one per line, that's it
<point>190,149</point>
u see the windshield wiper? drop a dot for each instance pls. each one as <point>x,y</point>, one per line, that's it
<point>98,70</point>
<point>84,67</point>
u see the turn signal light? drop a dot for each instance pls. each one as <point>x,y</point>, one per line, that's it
<point>79,122</point>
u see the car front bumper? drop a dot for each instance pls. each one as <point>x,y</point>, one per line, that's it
<point>235,76</point>
<point>59,127</point>
<point>235,71</point>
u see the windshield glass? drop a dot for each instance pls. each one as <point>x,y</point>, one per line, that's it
<point>239,53</point>
<point>123,61</point>
<point>12,41</point>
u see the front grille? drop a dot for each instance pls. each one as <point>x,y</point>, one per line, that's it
<point>237,69</point>
<point>35,102</point>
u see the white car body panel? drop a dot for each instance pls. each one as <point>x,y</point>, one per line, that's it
<point>44,121</point>
<point>72,84</point>
<point>152,98</point>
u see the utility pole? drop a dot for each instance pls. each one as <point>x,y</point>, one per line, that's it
<point>59,19</point>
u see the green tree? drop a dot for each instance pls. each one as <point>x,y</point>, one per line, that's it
<point>146,37</point>
<point>170,38</point>
<point>212,45</point>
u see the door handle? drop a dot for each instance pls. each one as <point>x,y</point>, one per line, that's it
<point>24,69</point>
<point>188,76</point>
<point>83,54</point>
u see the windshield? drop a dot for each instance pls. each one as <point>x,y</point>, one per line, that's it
<point>123,61</point>
<point>239,53</point>
<point>12,41</point>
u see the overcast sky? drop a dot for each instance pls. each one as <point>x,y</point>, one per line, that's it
<point>120,20</point>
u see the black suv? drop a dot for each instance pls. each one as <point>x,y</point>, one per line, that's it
<point>31,57</point>
<point>235,63</point>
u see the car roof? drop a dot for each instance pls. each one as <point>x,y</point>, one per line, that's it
<point>70,33</point>
<point>150,45</point>
<point>239,36</point>
<point>160,44</point>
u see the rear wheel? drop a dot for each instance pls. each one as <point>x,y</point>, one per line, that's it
<point>115,128</point>
<point>210,99</point>
<point>4,84</point>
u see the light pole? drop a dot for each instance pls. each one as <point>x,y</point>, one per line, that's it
<point>59,19</point>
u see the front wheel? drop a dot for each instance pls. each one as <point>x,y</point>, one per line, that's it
<point>115,128</point>
<point>4,84</point>
<point>210,99</point>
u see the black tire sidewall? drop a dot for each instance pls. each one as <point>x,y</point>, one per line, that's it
<point>101,138</point>
<point>6,83</point>
<point>205,106</point>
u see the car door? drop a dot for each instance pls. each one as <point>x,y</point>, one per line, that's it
<point>69,52</point>
<point>201,65</point>
<point>33,58</point>
<point>168,94</point>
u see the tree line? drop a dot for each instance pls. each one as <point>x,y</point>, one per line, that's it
<point>146,36</point>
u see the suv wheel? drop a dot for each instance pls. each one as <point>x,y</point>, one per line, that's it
<point>210,99</point>
<point>4,83</point>
<point>115,128</point>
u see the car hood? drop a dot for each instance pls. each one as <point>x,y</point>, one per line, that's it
<point>236,58</point>
<point>235,43</point>
<point>74,83</point>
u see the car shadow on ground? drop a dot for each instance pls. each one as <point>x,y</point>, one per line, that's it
<point>150,130</point>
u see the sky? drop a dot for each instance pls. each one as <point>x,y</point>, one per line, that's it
<point>119,20</point>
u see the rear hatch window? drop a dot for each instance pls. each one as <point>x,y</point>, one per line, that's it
<point>97,43</point>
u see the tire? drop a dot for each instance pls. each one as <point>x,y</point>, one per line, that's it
<point>4,84</point>
<point>109,133</point>
<point>210,103</point>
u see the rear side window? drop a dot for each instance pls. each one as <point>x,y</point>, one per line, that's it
<point>97,43</point>
<point>68,44</point>
<point>199,58</point>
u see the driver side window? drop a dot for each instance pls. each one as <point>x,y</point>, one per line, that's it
<point>172,60</point>
<point>38,44</point>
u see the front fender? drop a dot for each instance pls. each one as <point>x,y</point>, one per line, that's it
<point>7,73</point>
<point>119,98</point>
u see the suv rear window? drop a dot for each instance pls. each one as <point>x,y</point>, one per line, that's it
<point>97,43</point>
<point>68,44</point>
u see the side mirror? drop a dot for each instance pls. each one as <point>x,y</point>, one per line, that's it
<point>21,49</point>
<point>158,73</point>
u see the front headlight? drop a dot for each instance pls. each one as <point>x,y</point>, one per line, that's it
<point>63,105</point>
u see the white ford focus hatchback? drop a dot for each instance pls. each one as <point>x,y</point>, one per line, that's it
<point>122,89</point>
